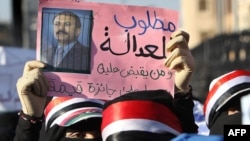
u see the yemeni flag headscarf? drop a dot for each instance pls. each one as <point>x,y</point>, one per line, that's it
<point>142,115</point>
<point>79,113</point>
<point>225,91</point>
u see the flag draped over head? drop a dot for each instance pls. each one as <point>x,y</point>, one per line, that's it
<point>66,111</point>
<point>143,115</point>
<point>224,89</point>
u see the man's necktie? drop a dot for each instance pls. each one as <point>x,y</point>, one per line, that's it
<point>59,56</point>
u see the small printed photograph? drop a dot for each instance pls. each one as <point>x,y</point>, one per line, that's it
<point>66,40</point>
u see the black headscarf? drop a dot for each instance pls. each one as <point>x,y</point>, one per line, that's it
<point>57,133</point>
<point>217,127</point>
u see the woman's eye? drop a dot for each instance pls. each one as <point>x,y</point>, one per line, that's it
<point>74,135</point>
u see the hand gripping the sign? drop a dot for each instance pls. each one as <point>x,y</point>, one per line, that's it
<point>180,60</point>
<point>32,89</point>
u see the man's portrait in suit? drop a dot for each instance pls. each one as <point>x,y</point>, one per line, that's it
<point>66,51</point>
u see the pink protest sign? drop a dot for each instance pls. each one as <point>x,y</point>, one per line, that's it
<point>108,49</point>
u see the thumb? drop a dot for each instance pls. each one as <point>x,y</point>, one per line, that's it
<point>34,64</point>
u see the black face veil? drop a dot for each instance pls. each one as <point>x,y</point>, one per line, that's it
<point>217,127</point>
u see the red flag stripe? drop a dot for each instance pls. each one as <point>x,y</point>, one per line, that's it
<point>143,125</point>
<point>221,85</point>
<point>55,102</point>
<point>139,109</point>
<point>221,81</point>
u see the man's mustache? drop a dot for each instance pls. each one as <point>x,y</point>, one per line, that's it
<point>61,31</point>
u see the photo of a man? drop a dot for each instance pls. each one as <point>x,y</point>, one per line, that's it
<point>67,53</point>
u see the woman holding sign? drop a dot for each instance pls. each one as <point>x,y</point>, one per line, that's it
<point>32,90</point>
<point>60,119</point>
<point>155,114</point>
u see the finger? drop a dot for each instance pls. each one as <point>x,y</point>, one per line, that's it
<point>36,88</point>
<point>22,86</point>
<point>45,82</point>
<point>30,65</point>
<point>40,84</point>
<point>39,88</point>
<point>180,33</point>
<point>176,53</point>
<point>177,63</point>
<point>176,43</point>
<point>34,76</point>
<point>25,83</point>
<point>43,85</point>
<point>170,58</point>
<point>42,79</point>
<point>36,72</point>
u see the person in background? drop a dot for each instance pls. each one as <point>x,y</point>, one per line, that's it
<point>155,114</point>
<point>69,54</point>
<point>54,119</point>
<point>222,105</point>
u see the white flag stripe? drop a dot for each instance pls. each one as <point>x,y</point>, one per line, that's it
<point>64,104</point>
<point>60,119</point>
<point>137,125</point>
<point>221,90</point>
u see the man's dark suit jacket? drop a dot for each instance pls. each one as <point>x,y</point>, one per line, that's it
<point>77,59</point>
